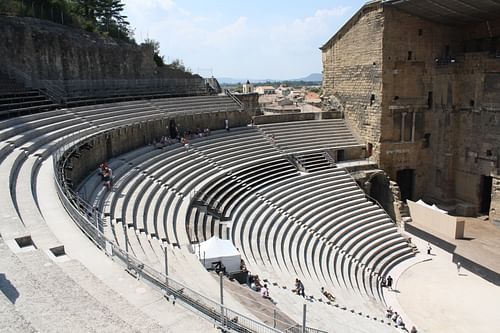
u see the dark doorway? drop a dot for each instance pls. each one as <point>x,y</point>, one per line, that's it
<point>380,190</point>
<point>172,127</point>
<point>406,182</point>
<point>109,146</point>
<point>486,183</point>
<point>340,155</point>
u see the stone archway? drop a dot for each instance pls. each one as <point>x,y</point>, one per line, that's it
<point>378,187</point>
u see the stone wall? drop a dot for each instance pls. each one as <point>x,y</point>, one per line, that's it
<point>436,99</point>
<point>441,93</point>
<point>50,51</point>
<point>352,71</point>
<point>495,202</point>
<point>250,102</point>
<point>285,117</point>
<point>376,185</point>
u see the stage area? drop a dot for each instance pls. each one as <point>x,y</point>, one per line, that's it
<point>478,251</point>
<point>440,300</point>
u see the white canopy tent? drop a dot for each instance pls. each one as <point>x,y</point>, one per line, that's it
<point>434,207</point>
<point>214,250</point>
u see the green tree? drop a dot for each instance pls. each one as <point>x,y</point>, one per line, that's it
<point>87,9</point>
<point>158,59</point>
<point>179,64</point>
<point>109,15</point>
<point>10,7</point>
<point>103,16</point>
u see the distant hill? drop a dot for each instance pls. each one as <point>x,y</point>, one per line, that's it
<point>230,80</point>
<point>314,77</point>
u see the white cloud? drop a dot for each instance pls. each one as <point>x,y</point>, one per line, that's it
<point>308,27</point>
<point>141,5</point>
<point>233,32</point>
<point>235,46</point>
<point>166,4</point>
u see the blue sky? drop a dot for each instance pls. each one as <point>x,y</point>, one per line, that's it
<point>241,39</point>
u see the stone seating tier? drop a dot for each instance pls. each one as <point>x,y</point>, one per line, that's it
<point>159,186</point>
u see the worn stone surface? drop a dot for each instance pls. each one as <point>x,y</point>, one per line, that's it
<point>50,51</point>
<point>352,65</point>
<point>250,102</point>
<point>435,108</point>
<point>12,321</point>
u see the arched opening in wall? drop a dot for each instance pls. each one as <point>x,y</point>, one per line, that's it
<point>406,182</point>
<point>486,184</point>
<point>380,190</point>
<point>172,129</point>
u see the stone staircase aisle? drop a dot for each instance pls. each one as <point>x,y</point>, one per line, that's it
<point>315,161</point>
<point>15,99</point>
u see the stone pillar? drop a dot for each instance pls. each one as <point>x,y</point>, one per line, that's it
<point>403,116</point>
<point>413,127</point>
<point>495,200</point>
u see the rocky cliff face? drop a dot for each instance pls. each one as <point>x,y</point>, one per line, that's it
<point>45,50</point>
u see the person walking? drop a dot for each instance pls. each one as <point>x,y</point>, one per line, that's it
<point>389,282</point>
<point>301,289</point>
<point>459,265</point>
<point>429,248</point>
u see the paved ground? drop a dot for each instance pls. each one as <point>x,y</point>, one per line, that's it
<point>480,243</point>
<point>438,300</point>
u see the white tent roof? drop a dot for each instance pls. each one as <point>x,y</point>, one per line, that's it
<point>434,207</point>
<point>216,248</point>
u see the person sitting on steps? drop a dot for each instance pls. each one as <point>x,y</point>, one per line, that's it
<point>264,292</point>
<point>328,295</point>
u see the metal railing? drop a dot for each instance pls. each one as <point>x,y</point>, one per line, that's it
<point>86,217</point>
<point>230,94</point>
<point>107,87</point>
<point>61,91</point>
<point>89,221</point>
<point>298,329</point>
<point>51,89</point>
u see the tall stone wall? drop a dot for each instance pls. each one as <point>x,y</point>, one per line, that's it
<point>411,45</point>
<point>437,76</point>
<point>50,51</point>
<point>436,109</point>
<point>46,50</point>
<point>352,71</point>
